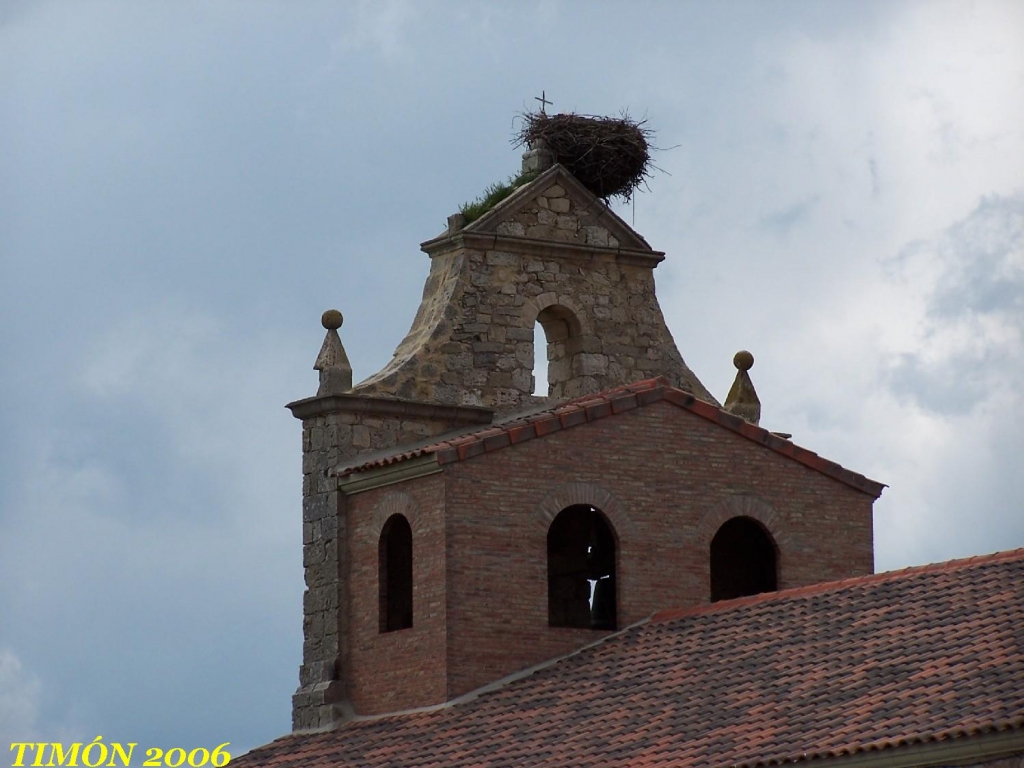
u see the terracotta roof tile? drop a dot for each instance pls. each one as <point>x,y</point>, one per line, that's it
<point>603,405</point>
<point>920,655</point>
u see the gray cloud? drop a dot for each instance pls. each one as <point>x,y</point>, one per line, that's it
<point>783,220</point>
<point>973,331</point>
<point>982,260</point>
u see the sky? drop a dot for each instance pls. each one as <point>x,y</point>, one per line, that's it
<point>186,186</point>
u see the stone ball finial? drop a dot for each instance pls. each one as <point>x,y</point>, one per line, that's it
<point>743,360</point>
<point>332,319</point>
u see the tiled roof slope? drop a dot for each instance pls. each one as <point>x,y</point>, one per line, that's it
<point>518,429</point>
<point>920,655</point>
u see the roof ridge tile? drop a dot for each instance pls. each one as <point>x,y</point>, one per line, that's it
<point>599,405</point>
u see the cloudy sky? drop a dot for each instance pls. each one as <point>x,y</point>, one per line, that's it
<point>185,187</point>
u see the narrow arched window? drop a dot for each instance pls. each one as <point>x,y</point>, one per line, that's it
<point>581,570</point>
<point>556,344</point>
<point>394,557</point>
<point>540,361</point>
<point>743,560</point>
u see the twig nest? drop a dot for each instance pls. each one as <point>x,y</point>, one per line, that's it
<point>610,156</point>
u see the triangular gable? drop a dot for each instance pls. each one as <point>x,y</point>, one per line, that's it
<point>538,424</point>
<point>528,210</point>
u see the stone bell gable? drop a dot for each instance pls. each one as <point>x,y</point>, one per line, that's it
<point>552,253</point>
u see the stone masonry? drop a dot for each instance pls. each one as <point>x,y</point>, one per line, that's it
<point>335,429</point>
<point>552,254</point>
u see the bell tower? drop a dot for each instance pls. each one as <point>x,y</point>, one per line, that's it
<point>551,254</point>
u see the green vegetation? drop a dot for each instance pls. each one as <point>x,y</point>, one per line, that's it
<point>494,194</point>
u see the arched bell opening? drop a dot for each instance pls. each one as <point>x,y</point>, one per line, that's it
<point>561,331</point>
<point>744,560</point>
<point>394,558</point>
<point>581,570</point>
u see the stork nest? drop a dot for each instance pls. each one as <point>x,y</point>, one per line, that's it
<point>610,156</point>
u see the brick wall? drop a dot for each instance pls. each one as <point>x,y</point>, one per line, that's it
<point>665,478</point>
<point>404,668</point>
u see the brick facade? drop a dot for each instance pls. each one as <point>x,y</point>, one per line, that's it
<point>406,668</point>
<point>480,529</point>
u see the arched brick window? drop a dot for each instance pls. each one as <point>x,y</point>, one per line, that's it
<point>581,569</point>
<point>743,560</point>
<point>394,557</point>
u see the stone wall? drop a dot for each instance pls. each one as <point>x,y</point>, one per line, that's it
<point>336,430</point>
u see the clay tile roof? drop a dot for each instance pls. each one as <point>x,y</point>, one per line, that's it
<point>538,423</point>
<point>922,655</point>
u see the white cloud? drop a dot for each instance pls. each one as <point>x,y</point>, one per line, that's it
<point>926,392</point>
<point>969,345</point>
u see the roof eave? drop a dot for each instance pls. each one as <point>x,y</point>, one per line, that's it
<point>935,750</point>
<point>390,474</point>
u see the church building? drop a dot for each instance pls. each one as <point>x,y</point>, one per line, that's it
<point>624,571</point>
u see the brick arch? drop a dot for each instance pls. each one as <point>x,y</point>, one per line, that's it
<point>743,505</point>
<point>534,305</point>
<point>571,494</point>
<point>396,502</point>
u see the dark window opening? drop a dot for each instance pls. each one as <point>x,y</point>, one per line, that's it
<point>742,560</point>
<point>395,576</point>
<point>581,570</point>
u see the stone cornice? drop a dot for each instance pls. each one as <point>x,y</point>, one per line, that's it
<point>488,241</point>
<point>311,407</point>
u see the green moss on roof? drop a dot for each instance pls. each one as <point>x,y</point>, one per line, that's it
<point>494,194</point>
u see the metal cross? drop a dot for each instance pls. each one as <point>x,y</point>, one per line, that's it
<point>543,101</point>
